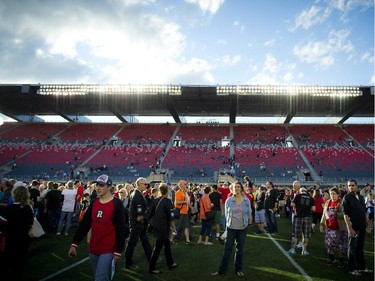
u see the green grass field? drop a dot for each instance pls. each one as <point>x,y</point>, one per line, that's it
<point>263,260</point>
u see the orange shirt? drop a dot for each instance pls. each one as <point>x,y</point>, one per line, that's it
<point>181,196</point>
<point>205,200</point>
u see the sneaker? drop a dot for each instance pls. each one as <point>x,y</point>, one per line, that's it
<point>208,243</point>
<point>299,245</point>
<point>133,266</point>
<point>58,233</point>
<point>291,252</point>
<point>200,242</point>
<point>305,253</point>
<point>329,262</point>
<point>341,264</point>
<point>66,234</point>
<point>259,232</point>
<point>355,272</point>
<point>366,270</point>
<point>173,265</point>
<point>240,273</point>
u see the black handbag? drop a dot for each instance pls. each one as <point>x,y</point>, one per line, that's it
<point>176,213</point>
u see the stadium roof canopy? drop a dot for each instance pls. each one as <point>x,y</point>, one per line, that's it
<point>126,102</point>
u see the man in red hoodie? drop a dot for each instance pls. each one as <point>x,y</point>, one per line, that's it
<point>106,218</point>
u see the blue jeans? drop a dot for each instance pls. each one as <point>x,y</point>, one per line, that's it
<point>101,265</point>
<point>53,218</point>
<point>67,216</point>
<point>271,222</point>
<point>238,236</point>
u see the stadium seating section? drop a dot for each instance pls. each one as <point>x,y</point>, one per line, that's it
<point>126,151</point>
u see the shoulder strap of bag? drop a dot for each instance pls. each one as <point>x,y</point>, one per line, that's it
<point>158,203</point>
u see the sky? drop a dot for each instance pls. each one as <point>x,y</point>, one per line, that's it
<point>187,42</point>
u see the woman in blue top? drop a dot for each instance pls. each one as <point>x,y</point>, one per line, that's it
<point>238,217</point>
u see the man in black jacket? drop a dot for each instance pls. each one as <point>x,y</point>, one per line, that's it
<point>356,220</point>
<point>138,222</point>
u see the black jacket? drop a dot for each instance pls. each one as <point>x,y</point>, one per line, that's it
<point>161,217</point>
<point>137,207</point>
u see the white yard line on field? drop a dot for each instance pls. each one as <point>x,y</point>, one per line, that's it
<point>64,269</point>
<point>295,264</point>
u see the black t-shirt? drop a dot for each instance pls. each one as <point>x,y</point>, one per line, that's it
<point>260,201</point>
<point>53,198</point>
<point>303,202</point>
<point>34,194</point>
<point>271,199</point>
<point>215,198</point>
<point>355,208</point>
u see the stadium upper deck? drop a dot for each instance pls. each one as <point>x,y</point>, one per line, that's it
<point>24,102</point>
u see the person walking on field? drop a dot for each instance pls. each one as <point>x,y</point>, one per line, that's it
<point>161,214</point>
<point>138,222</point>
<point>356,220</point>
<point>304,204</point>
<point>238,218</point>
<point>106,218</point>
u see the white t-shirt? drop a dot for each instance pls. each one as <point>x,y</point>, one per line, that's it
<point>69,199</point>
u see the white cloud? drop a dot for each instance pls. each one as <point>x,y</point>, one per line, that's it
<point>266,75</point>
<point>81,45</point>
<point>372,80</point>
<point>271,72</point>
<point>347,5</point>
<point>238,24</point>
<point>270,43</point>
<point>228,60</point>
<point>322,53</point>
<point>313,16</point>
<point>368,57</point>
<point>270,65</point>
<point>288,77</point>
<point>221,42</point>
<point>211,6</point>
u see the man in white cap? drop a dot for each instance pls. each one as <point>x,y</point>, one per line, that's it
<point>106,218</point>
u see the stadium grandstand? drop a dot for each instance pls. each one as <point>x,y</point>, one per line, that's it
<point>202,151</point>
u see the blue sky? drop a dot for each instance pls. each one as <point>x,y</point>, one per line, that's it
<point>188,42</point>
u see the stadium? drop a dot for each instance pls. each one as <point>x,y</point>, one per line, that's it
<point>206,150</point>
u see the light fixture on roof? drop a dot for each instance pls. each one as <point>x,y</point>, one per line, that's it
<point>81,89</point>
<point>330,91</point>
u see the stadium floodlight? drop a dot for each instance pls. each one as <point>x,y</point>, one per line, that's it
<point>108,89</point>
<point>290,90</point>
<point>226,90</point>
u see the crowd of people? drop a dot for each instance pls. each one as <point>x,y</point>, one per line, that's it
<point>116,217</point>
